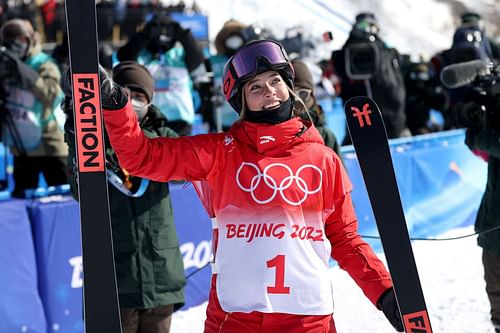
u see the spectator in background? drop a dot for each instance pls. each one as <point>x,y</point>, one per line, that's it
<point>149,268</point>
<point>470,42</point>
<point>423,94</point>
<point>227,41</point>
<point>367,67</point>
<point>176,69</point>
<point>304,88</point>
<point>20,9</point>
<point>473,24</point>
<point>60,54</point>
<point>487,141</point>
<point>31,92</point>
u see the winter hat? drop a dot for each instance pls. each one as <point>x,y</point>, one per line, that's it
<point>366,17</point>
<point>304,79</point>
<point>303,76</point>
<point>230,28</point>
<point>15,28</point>
<point>366,22</point>
<point>470,18</point>
<point>134,76</point>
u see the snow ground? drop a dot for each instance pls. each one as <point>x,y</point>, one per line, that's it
<point>451,275</point>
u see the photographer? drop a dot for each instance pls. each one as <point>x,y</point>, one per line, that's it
<point>367,67</point>
<point>30,93</point>
<point>176,61</point>
<point>423,94</point>
<point>488,140</point>
<point>479,113</point>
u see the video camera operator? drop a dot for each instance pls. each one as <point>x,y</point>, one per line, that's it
<point>30,92</point>
<point>177,63</point>
<point>479,113</point>
<point>367,67</point>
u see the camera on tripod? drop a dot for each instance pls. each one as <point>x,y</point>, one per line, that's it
<point>481,98</point>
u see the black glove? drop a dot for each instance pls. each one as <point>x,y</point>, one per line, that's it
<point>389,306</point>
<point>23,74</point>
<point>113,96</point>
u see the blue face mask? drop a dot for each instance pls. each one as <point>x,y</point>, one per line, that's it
<point>19,48</point>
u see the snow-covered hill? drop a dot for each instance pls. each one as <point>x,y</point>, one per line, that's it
<point>414,27</point>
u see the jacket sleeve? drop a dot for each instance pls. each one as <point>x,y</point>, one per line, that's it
<point>131,50</point>
<point>159,159</point>
<point>486,139</point>
<point>193,53</point>
<point>352,253</point>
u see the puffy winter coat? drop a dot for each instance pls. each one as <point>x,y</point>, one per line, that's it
<point>42,97</point>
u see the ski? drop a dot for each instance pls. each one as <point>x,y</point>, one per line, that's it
<point>367,131</point>
<point>100,297</point>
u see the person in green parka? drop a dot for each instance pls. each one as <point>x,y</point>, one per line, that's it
<point>487,142</point>
<point>149,267</point>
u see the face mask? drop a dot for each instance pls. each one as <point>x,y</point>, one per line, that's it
<point>140,108</point>
<point>273,116</point>
<point>234,42</point>
<point>19,48</point>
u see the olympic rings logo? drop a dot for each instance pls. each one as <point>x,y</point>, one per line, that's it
<point>275,186</point>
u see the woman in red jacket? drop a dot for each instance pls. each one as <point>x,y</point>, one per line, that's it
<point>281,201</point>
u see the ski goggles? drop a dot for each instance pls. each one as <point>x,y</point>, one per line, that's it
<point>249,59</point>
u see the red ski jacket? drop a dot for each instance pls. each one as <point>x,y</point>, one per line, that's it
<point>282,204</point>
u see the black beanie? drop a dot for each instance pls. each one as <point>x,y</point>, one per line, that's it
<point>130,74</point>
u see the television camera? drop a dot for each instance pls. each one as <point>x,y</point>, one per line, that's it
<point>480,82</point>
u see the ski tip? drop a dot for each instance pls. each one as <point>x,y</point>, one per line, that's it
<point>360,111</point>
<point>359,101</point>
<point>364,120</point>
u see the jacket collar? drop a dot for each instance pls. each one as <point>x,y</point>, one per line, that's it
<point>275,140</point>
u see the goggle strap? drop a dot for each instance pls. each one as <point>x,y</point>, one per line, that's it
<point>229,82</point>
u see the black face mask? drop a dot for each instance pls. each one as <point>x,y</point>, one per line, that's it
<point>273,116</point>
